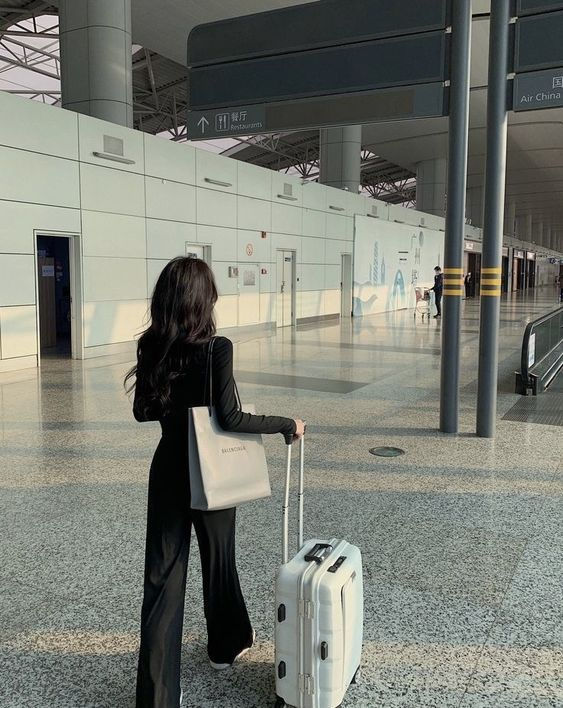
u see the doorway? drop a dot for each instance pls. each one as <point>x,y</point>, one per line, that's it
<point>474,267</point>
<point>285,301</point>
<point>346,286</point>
<point>505,274</point>
<point>59,332</point>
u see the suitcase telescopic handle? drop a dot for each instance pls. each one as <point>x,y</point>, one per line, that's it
<point>285,523</point>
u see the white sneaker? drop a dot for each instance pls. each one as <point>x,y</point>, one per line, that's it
<point>223,667</point>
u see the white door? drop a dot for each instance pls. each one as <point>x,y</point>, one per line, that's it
<point>249,294</point>
<point>285,288</point>
<point>346,286</point>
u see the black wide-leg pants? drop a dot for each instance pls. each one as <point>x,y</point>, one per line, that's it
<point>169,526</point>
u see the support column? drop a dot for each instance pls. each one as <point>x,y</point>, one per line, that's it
<point>495,182</point>
<point>96,75</point>
<point>538,235</point>
<point>341,157</point>
<point>431,186</point>
<point>529,228</point>
<point>474,208</point>
<point>455,215</point>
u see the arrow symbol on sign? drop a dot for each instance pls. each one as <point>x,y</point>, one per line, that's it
<point>203,123</point>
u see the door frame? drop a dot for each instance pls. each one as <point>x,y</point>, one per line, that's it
<point>76,291</point>
<point>346,255</point>
<point>293,285</point>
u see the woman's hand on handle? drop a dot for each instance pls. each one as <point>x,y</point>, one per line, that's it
<point>300,427</point>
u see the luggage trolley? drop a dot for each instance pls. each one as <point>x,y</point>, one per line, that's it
<point>422,302</point>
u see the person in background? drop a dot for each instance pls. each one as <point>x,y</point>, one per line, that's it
<point>467,283</point>
<point>438,289</point>
<point>170,378</point>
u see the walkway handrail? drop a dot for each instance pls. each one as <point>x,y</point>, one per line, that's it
<point>542,353</point>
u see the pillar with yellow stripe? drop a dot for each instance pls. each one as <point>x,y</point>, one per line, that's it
<point>453,282</point>
<point>491,282</point>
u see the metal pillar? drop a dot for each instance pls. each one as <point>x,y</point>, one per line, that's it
<point>455,215</point>
<point>495,183</point>
<point>431,180</point>
<point>341,157</point>
<point>96,75</point>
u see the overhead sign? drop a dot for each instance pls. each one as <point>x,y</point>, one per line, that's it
<point>533,7</point>
<point>538,89</point>
<point>424,101</point>
<point>538,42</point>
<point>365,60</point>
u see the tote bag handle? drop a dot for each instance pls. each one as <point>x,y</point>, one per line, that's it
<point>209,379</point>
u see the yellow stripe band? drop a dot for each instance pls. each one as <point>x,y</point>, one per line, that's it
<point>453,292</point>
<point>453,270</point>
<point>491,270</point>
<point>490,293</point>
<point>491,281</point>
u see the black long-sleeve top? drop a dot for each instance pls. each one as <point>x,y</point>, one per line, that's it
<point>189,390</point>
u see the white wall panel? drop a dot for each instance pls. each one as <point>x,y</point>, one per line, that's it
<point>312,250</point>
<point>226,311</point>
<point>223,242</point>
<point>169,160</point>
<point>40,179</point>
<point>268,279</point>
<point>267,307</point>
<point>254,181</point>
<point>287,219</point>
<point>114,279</point>
<point>311,277</point>
<point>337,201</point>
<point>225,284</point>
<point>91,132</point>
<point>18,331</point>
<point>282,185</point>
<point>252,240</point>
<point>254,214</point>
<point>113,322</point>
<point>213,169</point>
<point>331,302</point>
<point>111,190</point>
<point>314,223</point>
<point>216,208</point>
<point>314,196</point>
<point>36,127</point>
<point>167,239</point>
<point>17,279</point>
<point>337,226</point>
<point>19,219</point>
<point>170,200</point>
<point>335,249</point>
<point>333,275</point>
<point>309,304</point>
<point>113,235</point>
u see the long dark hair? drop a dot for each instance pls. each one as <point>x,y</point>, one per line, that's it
<point>182,307</point>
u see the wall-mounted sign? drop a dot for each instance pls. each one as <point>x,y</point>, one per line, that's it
<point>264,234</point>
<point>531,256</point>
<point>233,272</point>
<point>264,271</point>
<point>249,278</point>
<point>505,252</point>
<point>469,246</point>
<point>48,271</point>
<point>518,254</point>
<point>538,89</point>
<point>249,249</point>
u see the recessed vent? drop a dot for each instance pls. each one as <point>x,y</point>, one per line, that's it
<point>113,146</point>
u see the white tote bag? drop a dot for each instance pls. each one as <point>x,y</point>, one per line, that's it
<point>226,469</point>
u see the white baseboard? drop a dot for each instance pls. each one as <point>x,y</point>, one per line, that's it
<point>19,362</point>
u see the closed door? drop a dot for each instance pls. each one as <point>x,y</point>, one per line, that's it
<point>249,295</point>
<point>346,286</point>
<point>47,303</point>
<point>285,288</point>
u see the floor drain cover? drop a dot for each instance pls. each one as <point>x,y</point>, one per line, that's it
<point>387,451</point>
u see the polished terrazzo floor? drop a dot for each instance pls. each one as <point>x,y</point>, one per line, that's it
<point>461,537</point>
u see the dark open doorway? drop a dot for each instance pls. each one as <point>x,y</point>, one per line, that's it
<point>53,278</point>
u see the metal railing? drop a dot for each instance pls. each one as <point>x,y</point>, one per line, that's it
<point>542,353</point>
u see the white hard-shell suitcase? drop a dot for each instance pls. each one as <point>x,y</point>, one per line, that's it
<point>319,615</point>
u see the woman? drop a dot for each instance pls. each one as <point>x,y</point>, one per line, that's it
<point>171,378</point>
